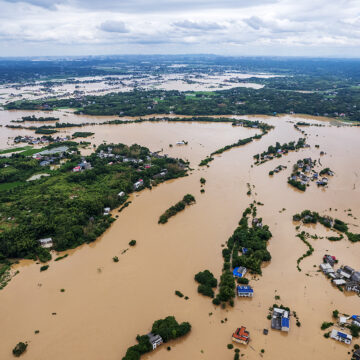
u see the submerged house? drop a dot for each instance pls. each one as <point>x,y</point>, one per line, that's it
<point>329,259</point>
<point>280,320</point>
<point>327,268</point>
<point>245,291</point>
<point>241,336</point>
<point>356,320</point>
<point>340,336</point>
<point>155,340</point>
<point>239,271</point>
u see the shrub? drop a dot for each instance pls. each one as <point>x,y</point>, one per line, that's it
<point>335,314</point>
<point>242,280</point>
<point>19,349</point>
<point>179,293</point>
<point>44,267</point>
<point>326,325</point>
<point>216,301</point>
<point>202,181</point>
<point>206,290</point>
<point>206,278</point>
<point>115,259</point>
<point>230,346</point>
<point>132,243</point>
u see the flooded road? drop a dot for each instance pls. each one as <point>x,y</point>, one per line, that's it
<point>106,304</point>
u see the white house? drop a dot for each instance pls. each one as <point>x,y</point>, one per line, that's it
<point>155,340</point>
<point>340,336</point>
<point>46,243</point>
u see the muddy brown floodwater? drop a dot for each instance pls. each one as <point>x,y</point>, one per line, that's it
<point>106,304</point>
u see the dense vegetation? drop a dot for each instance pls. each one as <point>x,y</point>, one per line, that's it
<point>207,281</point>
<point>19,349</point>
<point>254,239</point>
<point>188,199</point>
<point>312,217</point>
<point>278,150</point>
<point>303,236</point>
<point>245,123</point>
<point>34,118</point>
<point>68,206</point>
<point>82,134</point>
<point>235,101</point>
<point>168,329</point>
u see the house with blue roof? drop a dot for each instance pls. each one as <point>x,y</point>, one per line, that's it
<point>356,320</point>
<point>341,336</point>
<point>239,271</point>
<point>245,291</point>
<point>280,319</point>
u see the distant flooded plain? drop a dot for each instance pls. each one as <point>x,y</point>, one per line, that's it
<point>106,304</point>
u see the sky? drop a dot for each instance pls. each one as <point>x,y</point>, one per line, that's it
<point>325,28</point>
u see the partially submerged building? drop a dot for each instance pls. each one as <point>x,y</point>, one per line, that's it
<point>241,336</point>
<point>245,291</point>
<point>280,319</point>
<point>239,271</point>
<point>341,336</point>
<point>155,340</point>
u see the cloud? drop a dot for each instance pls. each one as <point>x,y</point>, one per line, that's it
<point>242,27</point>
<point>41,3</point>
<point>136,6</point>
<point>205,26</point>
<point>254,22</point>
<point>114,26</point>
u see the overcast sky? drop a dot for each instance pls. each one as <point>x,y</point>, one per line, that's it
<point>226,27</point>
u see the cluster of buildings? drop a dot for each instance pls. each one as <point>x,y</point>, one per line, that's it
<point>344,276</point>
<point>303,173</point>
<point>280,319</point>
<point>32,140</point>
<point>341,335</point>
<point>46,157</point>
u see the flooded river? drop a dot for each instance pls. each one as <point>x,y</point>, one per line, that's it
<point>106,304</point>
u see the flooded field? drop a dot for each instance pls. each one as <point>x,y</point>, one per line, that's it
<point>100,85</point>
<point>106,304</point>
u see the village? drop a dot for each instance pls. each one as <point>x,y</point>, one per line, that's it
<point>304,172</point>
<point>344,277</point>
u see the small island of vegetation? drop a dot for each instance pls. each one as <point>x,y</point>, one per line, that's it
<point>188,199</point>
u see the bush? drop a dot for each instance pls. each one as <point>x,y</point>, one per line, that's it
<point>115,259</point>
<point>230,346</point>
<point>216,301</point>
<point>44,267</point>
<point>242,280</point>
<point>202,181</point>
<point>19,349</point>
<point>326,325</point>
<point>206,278</point>
<point>335,314</point>
<point>169,328</point>
<point>132,243</point>
<point>179,293</point>
<point>206,290</point>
